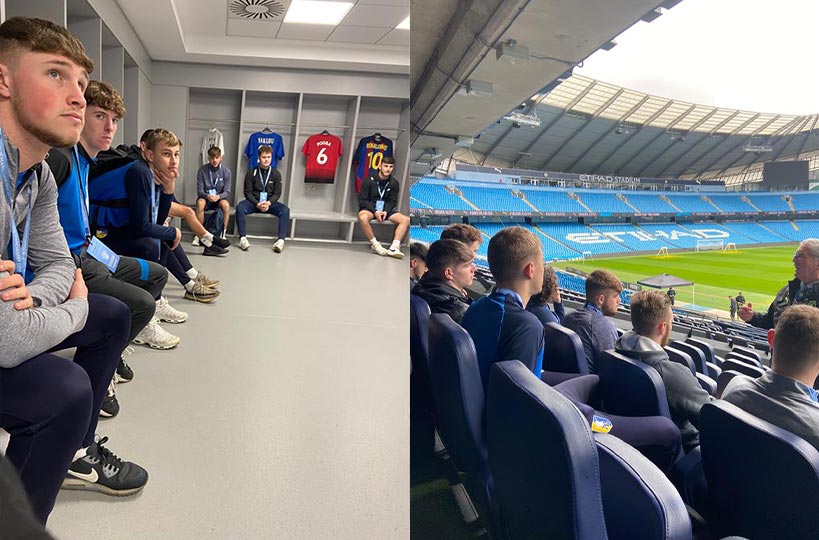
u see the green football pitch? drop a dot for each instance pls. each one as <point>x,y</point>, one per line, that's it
<point>758,273</point>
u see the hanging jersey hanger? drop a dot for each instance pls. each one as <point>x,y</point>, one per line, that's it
<point>325,132</point>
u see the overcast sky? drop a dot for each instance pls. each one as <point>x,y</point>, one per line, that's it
<point>756,55</point>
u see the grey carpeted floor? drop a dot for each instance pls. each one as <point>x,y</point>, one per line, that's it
<point>282,414</point>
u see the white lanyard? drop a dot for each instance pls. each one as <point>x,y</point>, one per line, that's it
<point>19,247</point>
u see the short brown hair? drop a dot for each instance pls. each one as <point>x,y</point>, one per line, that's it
<point>446,254</point>
<point>389,160</point>
<point>264,149</point>
<point>24,34</point>
<point>508,251</point>
<point>600,281</point>
<point>162,136</point>
<point>463,233</point>
<point>214,152</point>
<point>548,289</point>
<point>648,309</point>
<point>796,341</point>
<point>419,251</point>
<point>105,96</point>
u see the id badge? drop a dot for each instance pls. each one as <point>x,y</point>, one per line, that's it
<point>379,206</point>
<point>211,192</point>
<point>103,254</point>
<point>263,196</point>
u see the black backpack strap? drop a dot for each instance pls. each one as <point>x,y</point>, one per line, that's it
<point>60,162</point>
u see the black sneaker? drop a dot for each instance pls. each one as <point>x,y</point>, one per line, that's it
<point>213,250</point>
<point>101,470</point>
<point>110,405</point>
<point>221,241</point>
<point>124,372</point>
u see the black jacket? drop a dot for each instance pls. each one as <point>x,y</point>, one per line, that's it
<point>254,182</point>
<point>369,194</point>
<point>442,297</point>
<point>784,298</point>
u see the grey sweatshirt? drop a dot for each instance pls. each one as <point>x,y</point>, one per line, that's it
<point>27,333</point>
<point>684,393</point>
<point>777,399</point>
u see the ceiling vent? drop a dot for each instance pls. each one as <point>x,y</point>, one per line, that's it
<point>258,10</point>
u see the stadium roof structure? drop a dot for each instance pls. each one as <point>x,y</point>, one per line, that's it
<point>590,126</point>
<point>465,74</point>
<point>663,281</point>
<point>469,72</point>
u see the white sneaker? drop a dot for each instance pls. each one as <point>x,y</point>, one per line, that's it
<point>165,312</point>
<point>195,241</point>
<point>156,337</point>
<point>278,247</point>
<point>129,351</point>
<point>244,245</point>
<point>379,249</point>
<point>395,253</point>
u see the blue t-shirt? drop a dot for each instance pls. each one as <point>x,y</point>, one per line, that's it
<point>261,138</point>
<point>502,330</point>
<point>71,192</point>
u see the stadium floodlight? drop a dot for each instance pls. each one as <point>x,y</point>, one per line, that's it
<point>512,52</point>
<point>517,117</point>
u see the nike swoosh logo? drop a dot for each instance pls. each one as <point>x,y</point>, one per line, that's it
<point>90,477</point>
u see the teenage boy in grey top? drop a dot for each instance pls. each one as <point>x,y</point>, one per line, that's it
<point>48,404</point>
<point>784,396</point>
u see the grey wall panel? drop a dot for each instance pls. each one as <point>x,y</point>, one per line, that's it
<point>280,80</point>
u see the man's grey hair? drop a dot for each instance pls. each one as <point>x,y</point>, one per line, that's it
<point>811,245</point>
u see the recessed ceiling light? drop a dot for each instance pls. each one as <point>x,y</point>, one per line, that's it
<point>317,12</point>
<point>404,24</point>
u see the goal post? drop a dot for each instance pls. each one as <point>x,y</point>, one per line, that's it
<point>710,244</point>
<point>662,252</point>
<point>730,247</point>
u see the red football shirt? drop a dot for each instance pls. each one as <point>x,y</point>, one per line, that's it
<point>322,153</point>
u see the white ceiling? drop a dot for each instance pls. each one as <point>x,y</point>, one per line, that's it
<point>219,31</point>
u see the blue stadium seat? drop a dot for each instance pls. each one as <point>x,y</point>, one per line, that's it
<point>422,406</point>
<point>691,203</point>
<point>742,367</point>
<point>731,203</point>
<point>564,350</point>
<point>459,399</point>
<point>725,378</point>
<point>695,353</point>
<point>650,203</point>
<point>555,479</point>
<point>553,201</point>
<point>770,202</point>
<point>603,203</point>
<point>763,481</point>
<point>630,387</point>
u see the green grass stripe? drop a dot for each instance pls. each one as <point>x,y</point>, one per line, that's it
<point>758,272</point>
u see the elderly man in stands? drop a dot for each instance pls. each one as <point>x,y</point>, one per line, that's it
<point>784,396</point>
<point>590,322</point>
<point>651,316</point>
<point>803,289</point>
